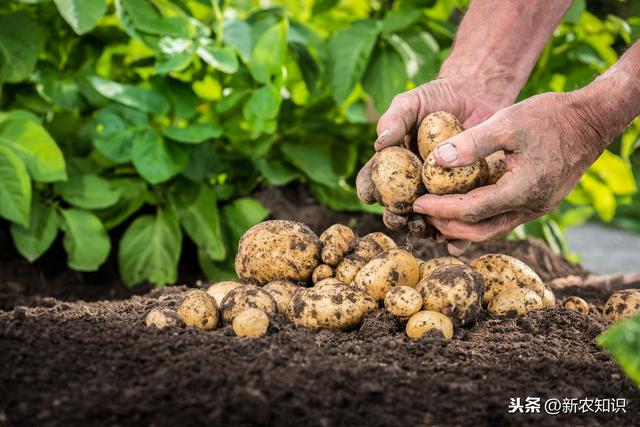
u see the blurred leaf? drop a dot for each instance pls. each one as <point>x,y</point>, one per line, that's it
<point>276,172</point>
<point>132,96</point>
<point>269,52</point>
<point>575,11</point>
<point>175,54</point>
<point>263,103</point>
<point>133,193</point>
<point>20,43</point>
<point>15,188</point>
<point>194,133</point>
<point>60,90</point>
<point>183,101</point>
<point>81,15</point>
<point>420,53</point>
<point>616,173</point>
<point>343,198</point>
<point>220,58</point>
<point>117,127</point>
<point>236,35</point>
<point>155,159</point>
<point>623,342</point>
<point>314,159</point>
<point>33,240</point>
<point>85,239</point>
<point>88,191</point>
<point>240,215</point>
<point>385,77</point>
<point>602,198</point>
<point>400,19</point>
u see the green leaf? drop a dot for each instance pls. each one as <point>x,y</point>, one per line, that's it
<point>220,58</point>
<point>60,90</point>
<point>237,35</point>
<point>133,193</point>
<point>400,19</point>
<point>240,215</point>
<point>141,99</point>
<point>575,11</point>
<point>85,240</point>
<point>150,249</point>
<point>88,191</point>
<point>264,103</point>
<point>141,15</point>
<point>342,198</point>
<point>385,77</point>
<point>33,240</point>
<point>175,54</point>
<point>183,101</point>
<point>603,200</point>
<point>155,159</point>
<point>15,188</point>
<point>216,271</point>
<point>623,342</point>
<point>39,152</point>
<point>349,52</point>
<point>616,173</point>
<point>422,48</point>
<point>20,43</point>
<point>194,133</point>
<point>269,52</point>
<point>227,103</point>
<point>81,15</point>
<point>314,159</point>
<point>117,127</point>
<point>276,172</point>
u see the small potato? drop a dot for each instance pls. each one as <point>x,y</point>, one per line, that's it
<point>244,297</point>
<point>394,221</point>
<point>336,241</point>
<point>199,309</point>
<point>277,250</point>
<point>453,290</point>
<point>576,304</point>
<point>425,321</point>
<point>321,272</point>
<point>403,301</point>
<point>519,300</point>
<point>163,318</point>
<point>385,242</point>
<point>220,289</point>
<point>548,297</point>
<point>497,163</point>
<point>251,323</point>
<point>394,268</point>
<point>395,173</point>
<point>333,306</point>
<point>367,249</point>
<point>435,128</point>
<point>427,267</point>
<point>282,291</point>
<point>348,268</point>
<point>439,180</point>
<point>621,305</point>
<point>502,272</point>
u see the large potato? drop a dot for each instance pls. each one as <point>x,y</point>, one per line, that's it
<point>282,291</point>
<point>453,290</point>
<point>518,300</point>
<point>278,250</point>
<point>219,290</point>
<point>395,172</point>
<point>199,309</point>
<point>403,301</point>
<point>336,241</point>
<point>435,128</point>
<point>394,268</point>
<point>333,306</point>
<point>427,267</point>
<point>427,321</point>
<point>439,180</point>
<point>244,297</point>
<point>502,272</point>
<point>622,304</point>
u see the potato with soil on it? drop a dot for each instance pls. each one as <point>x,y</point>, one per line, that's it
<point>548,297</point>
<point>515,300</point>
<point>435,128</point>
<point>219,290</point>
<point>332,306</point>
<point>423,322</point>
<point>336,242</point>
<point>394,268</point>
<point>427,266</point>
<point>277,250</point>
<point>439,180</point>
<point>403,301</point>
<point>621,305</point>
<point>453,290</point>
<point>282,291</point>
<point>348,268</point>
<point>199,309</point>
<point>245,297</point>
<point>366,248</point>
<point>163,318</point>
<point>385,242</point>
<point>576,304</point>
<point>321,272</point>
<point>395,172</point>
<point>497,163</point>
<point>251,323</point>
<point>503,272</point>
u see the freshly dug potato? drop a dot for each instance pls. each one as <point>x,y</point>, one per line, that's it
<point>330,281</point>
<point>427,267</point>
<point>385,242</point>
<point>548,297</point>
<point>348,268</point>
<point>502,272</point>
<point>199,309</point>
<point>278,250</point>
<point>282,291</point>
<point>622,304</point>
<point>519,300</point>
<point>163,318</point>
<point>336,241</point>
<point>394,221</point>
<point>395,173</point>
<point>425,321</point>
<point>439,180</point>
<point>453,290</point>
<point>576,304</point>
<point>251,323</point>
<point>220,289</point>
<point>321,272</point>
<point>403,301</point>
<point>367,248</point>
<point>333,306</point>
<point>497,163</point>
<point>394,268</point>
<point>244,297</point>
<point>435,128</point>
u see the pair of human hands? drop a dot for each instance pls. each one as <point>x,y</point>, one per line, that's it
<point>548,140</point>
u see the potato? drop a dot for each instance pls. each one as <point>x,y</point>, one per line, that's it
<point>548,297</point>
<point>425,321</point>
<point>333,306</point>
<point>367,248</point>
<point>427,267</point>
<point>336,241</point>
<point>282,291</point>
<point>576,304</point>
<point>502,272</point>
<point>277,250</point>
<point>403,301</point>
<point>321,272</point>
<point>435,128</point>
<point>453,290</point>
<point>439,180</point>
<point>395,173</point>
<point>251,323</point>
<point>394,221</point>
<point>385,242</point>
<point>244,297</point>
<point>220,289</point>
<point>394,268</point>
<point>348,268</point>
<point>163,318</point>
<point>622,304</point>
<point>330,281</point>
<point>519,300</point>
<point>497,163</point>
<point>199,309</point>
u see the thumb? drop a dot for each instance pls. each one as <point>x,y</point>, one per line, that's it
<point>469,146</point>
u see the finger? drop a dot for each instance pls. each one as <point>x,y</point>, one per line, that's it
<point>394,221</point>
<point>457,247</point>
<point>398,120</point>
<point>364,185</point>
<point>488,229</point>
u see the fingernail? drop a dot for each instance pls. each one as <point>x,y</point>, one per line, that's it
<point>382,135</point>
<point>448,152</point>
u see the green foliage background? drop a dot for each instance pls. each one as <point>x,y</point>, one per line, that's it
<point>160,117</point>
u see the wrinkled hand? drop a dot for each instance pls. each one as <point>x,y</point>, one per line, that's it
<point>549,142</point>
